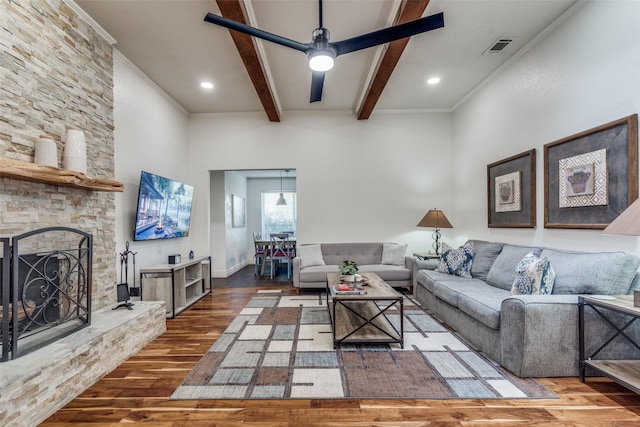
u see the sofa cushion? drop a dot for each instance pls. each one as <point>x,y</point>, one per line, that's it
<point>484,255</point>
<point>456,261</point>
<point>428,277</point>
<point>317,273</point>
<point>310,255</point>
<point>608,273</point>
<point>450,289</point>
<point>361,253</point>
<point>534,276</point>
<point>387,272</point>
<point>483,304</point>
<point>393,254</point>
<point>503,270</point>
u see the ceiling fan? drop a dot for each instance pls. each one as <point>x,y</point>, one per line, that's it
<point>321,52</point>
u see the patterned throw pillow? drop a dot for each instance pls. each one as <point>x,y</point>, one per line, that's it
<point>456,261</point>
<point>534,276</point>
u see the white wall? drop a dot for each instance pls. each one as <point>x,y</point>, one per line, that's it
<point>584,73</point>
<point>356,180</point>
<point>235,238</point>
<point>228,243</point>
<point>150,134</point>
<point>217,224</point>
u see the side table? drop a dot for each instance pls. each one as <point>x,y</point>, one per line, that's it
<point>426,255</point>
<point>624,372</point>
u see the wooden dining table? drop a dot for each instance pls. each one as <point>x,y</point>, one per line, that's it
<point>267,242</point>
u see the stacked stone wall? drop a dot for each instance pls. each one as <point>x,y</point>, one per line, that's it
<point>56,73</point>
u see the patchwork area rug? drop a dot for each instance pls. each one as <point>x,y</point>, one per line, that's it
<point>281,346</point>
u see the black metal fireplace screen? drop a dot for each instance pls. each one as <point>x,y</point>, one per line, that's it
<point>45,288</point>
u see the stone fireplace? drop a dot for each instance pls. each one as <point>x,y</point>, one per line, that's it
<point>57,74</point>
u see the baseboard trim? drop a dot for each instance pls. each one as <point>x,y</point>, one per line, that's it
<point>223,274</point>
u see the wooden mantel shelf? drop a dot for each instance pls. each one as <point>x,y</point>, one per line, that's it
<point>25,171</point>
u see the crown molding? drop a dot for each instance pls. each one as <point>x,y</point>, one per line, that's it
<point>89,20</point>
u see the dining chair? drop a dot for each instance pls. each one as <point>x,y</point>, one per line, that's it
<point>260,251</point>
<point>280,251</point>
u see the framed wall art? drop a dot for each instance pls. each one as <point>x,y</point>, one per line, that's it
<point>591,177</point>
<point>238,212</point>
<point>511,190</point>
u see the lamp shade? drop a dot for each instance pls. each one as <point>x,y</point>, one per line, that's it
<point>435,218</point>
<point>627,223</point>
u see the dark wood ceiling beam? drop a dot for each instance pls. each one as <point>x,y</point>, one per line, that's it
<point>409,10</point>
<point>233,9</point>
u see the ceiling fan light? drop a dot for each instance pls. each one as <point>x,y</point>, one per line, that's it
<point>321,60</point>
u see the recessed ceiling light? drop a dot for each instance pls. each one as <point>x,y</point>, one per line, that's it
<point>206,85</point>
<point>433,80</point>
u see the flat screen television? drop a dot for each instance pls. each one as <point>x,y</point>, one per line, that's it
<point>164,208</point>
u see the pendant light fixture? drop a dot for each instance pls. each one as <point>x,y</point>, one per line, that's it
<point>281,201</point>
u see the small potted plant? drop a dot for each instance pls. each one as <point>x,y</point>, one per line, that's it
<point>348,269</point>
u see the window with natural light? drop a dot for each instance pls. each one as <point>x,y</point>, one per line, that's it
<point>276,219</point>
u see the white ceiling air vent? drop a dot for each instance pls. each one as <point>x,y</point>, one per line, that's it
<point>499,45</point>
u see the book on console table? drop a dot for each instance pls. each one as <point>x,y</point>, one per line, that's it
<point>345,289</point>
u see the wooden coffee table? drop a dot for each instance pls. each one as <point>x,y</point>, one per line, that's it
<point>363,318</point>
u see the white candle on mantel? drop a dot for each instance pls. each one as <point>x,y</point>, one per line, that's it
<point>46,152</point>
<point>75,151</point>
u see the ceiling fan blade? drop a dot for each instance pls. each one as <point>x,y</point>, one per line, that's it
<point>390,34</point>
<point>317,83</point>
<point>246,29</point>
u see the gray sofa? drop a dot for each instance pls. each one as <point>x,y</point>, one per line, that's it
<point>313,262</point>
<point>530,335</point>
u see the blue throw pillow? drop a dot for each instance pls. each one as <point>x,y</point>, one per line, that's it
<point>534,276</point>
<point>456,261</point>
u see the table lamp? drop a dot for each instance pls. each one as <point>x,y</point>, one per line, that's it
<point>627,223</point>
<point>435,218</point>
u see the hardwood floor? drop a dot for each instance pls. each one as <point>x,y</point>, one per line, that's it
<point>138,390</point>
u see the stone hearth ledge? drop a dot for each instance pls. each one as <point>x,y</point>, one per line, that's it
<point>36,385</point>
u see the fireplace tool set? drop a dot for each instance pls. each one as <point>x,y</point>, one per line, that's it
<point>123,289</point>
